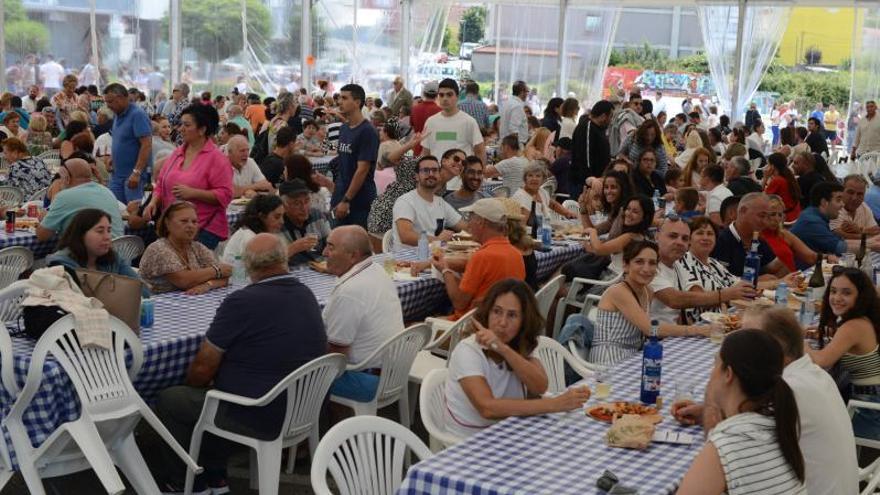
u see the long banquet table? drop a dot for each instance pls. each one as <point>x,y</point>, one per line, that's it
<point>566,453</point>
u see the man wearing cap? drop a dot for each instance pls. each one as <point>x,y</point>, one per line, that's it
<point>305,228</point>
<point>562,164</point>
<point>420,210</point>
<point>495,260</point>
<point>471,184</point>
<point>425,108</point>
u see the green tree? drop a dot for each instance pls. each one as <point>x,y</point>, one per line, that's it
<point>450,41</point>
<point>473,25</point>
<point>291,46</point>
<point>22,35</point>
<point>14,10</point>
<point>213,27</point>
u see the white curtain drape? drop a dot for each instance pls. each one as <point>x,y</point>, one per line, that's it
<point>585,66</point>
<point>865,66</point>
<point>762,30</point>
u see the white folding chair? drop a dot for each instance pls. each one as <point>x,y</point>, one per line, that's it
<point>365,455</point>
<point>571,298</point>
<point>395,358</point>
<point>547,293</point>
<point>53,164</point>
<point>128,247</point>
<point>432,403</point>
<point>8,375</point>
<point>305,388</point>
<point>387,241</point>
<point>103,435</point>
<point>572,206</point>
<point>11,196</point>
<point>10,300</point>
<point>14,261</point>
<point>501,192</point>
<point>50,155</point>
<point>867,164</point>
<point>871,473</point>
<point>553,357</point>
<point>38,195</point>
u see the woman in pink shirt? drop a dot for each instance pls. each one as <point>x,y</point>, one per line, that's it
<point>199,173</point>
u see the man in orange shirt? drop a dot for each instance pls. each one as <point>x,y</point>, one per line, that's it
<point>255,113</point>
<point>495,260</point>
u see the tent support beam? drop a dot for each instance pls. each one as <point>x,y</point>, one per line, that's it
<point>174,37</point>
<point>2,47</point>
<point>561,52</point>
<point>305,45</point>
<point>736,111</point>
<point>405,38</point>
<point>497,51</point>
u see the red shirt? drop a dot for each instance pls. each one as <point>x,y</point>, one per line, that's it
<point>420,113</point>
<point>780,248</point>
<point>779,186</point>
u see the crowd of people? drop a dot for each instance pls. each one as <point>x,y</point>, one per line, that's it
<point>669,208</point>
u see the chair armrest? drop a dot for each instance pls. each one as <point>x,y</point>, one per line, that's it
<point>218,396</point>
<point>854,404</point>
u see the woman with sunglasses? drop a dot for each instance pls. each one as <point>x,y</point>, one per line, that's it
<point>786,246</point>
<point>849,333</point>
<point>177,261</point>
<point>637,218</point>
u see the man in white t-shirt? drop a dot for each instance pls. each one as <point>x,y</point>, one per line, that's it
<point>51,74</point>
<point>855,218</point>
<point>512,164</point>
<point>420,210</point>
<point>452,129</point>
<point>826,440</point>
<point>712,180</point>
<point>362,312</point>
<point>247,178</point>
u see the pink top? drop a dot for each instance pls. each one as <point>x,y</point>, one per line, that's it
<point>209,171</point>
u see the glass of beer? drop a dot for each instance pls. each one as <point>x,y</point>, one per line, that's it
<point>603,384</point>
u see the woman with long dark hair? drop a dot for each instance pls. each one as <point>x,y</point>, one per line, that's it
<point>648,136</point>
<point>637,218</point>
<point>849,331</point>
<point>761,419</point>
<point>779,180</point>
<point>552,119</point>
<point>492,374</point>
<point>264,213</point>
<point>616,189</point>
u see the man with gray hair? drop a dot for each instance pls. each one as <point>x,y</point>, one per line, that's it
<point>735,241</point>
<point>130,155</point>
<point>235,115</point>
<point>855,218</point>
<point>737,173</point>
<point>362,312</point>
<point>257,338</point>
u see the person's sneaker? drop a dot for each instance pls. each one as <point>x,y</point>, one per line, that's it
<point>169,488</point>
<point>218,487</point>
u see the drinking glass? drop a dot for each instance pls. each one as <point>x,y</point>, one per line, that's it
<point>848,260</point>
<point>389,265</point>
<point>682,389</point>
<point>716,333</point>
<point>603,384</point>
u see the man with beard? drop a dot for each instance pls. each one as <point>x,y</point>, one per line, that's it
<point>471,182</point>
<point>421,211</point>
<point>591,152</point>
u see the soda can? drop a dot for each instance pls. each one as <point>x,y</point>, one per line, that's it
<point>10,221</point>
<point>147,313</point>
<point>33,210</point>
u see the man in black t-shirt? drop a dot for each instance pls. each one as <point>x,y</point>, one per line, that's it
<point>358,149</point>
<point>736,173</point>
<point>273,165</point>
<point>804,165</point>
<point>590,152</point>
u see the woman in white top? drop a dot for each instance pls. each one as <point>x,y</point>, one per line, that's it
<point>533,177</point>
<point>755,140</point>
<point>264,213</point>
<point>569,111</point>
<point>492,374</point>
<point>755,449</point>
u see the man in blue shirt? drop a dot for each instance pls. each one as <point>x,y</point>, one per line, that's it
<point>79,193</point>
<point>132,144</point>
<point>735,241</point>
<point>812,227</point>
<point>358,149</point>
<point>872,197</point>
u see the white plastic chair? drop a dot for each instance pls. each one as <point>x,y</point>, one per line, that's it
<point>103,435</point>
<point>501,192</point>
<point>50,155</point>
<point>871,473</point>
<point>553,357</point>
<point>38,195</point>
<point>14,261</point>
<point>432,403</point>
<point>128,247</point>
<point>10,300</point>
<point>11,387</point>
<point>11,196</point>
<point>53,164</point>
<point>547,293</point>
<point>571,299</point>
<point>867,164</point>
<point>387,241</point>
<point>396,358</point>
<point>365,455</point>
<point>306,389</point>
<point>572,206</point>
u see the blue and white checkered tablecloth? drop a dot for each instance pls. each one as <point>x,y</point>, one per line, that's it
<point>321,163</point>
<point>490,185</point>
<point>566,453</point>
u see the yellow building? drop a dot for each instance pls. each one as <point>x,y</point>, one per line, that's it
<point>827,29</point>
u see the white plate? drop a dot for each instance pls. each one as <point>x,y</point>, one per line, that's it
<point>712,316</point>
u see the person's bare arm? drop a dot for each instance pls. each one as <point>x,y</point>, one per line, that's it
<point>341,349</point>
<point>480,151</point>
<point>627,305</point>
<point>680,299</point>
<point>705,476</point>
<point>144,153</point>
<point>480,395</point>
<point>204,367</point>
<point>491,172</point>
<point>44,234</point>
<point>844,340</point>
<point>407,232</point>
<point>801,251</point>
<point>187,279</point>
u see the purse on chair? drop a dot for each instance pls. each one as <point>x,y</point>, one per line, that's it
<point>120,295</point>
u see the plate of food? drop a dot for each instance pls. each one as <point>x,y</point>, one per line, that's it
<point>318,266</point>
<point>462,236</point>
<point>577,237</point>
<point>746,303</point>
<point>729,321</point>
<point>609,410</point>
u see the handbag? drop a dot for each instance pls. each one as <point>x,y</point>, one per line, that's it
<point>120,295</point>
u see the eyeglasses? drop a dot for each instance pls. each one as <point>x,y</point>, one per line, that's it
<point>431,170</point>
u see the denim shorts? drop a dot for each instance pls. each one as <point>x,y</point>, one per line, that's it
<point>866,422</point>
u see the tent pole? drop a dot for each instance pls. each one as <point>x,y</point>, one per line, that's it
<point>174,37</point>
<point>305,45</point>
<point>737,61</point>
<point>2,47</point>
<point>405,38</point>
<point>244,42</point>
<point>561,52</point>
<point>497,50</point>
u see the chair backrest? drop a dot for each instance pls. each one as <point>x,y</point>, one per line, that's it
<point>10,300</point>
<point>432,403</point>
<point>306,389</point>
<point>547,294</point>
<point>549,185</point>
<point>128,247</point>
<point>7,367</point>
<point>49,155</point>
<point>572,206</point>
<point>365,455</point>
<point>14,261</point>
<point>397,358</point>
<point>553,356</point>
<point>452,336</point>
<point>387,244</point>
<point>11,196</point>
<point>53,164</point>
<point>38,195</point>
<point>501,192</point>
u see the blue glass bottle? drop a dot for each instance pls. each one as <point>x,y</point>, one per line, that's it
<point>652,364</point>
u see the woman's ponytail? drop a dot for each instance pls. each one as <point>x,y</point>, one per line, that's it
<point>788,426</point>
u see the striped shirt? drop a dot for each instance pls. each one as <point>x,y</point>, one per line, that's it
<point>615,339</point>
<point>475,107</point>
<point>751,458</point>
<point>864,369</point>
<point>710,277</point>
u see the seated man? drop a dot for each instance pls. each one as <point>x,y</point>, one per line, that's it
<point>855,218</point>
<point>471,182</point>
<point>420,210</point>
<point>826,434</point>
<point>305,228</point>
<point>256,339</point>
<point>78,193</point>
<point>495,260</point>
<point>362,312</point>
<point>734,242</point>
<point>712,180</point>
<point>247,178</point>
<point>737,173</point>
<point>511,166</point>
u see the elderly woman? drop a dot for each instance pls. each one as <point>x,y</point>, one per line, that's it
<point>177,261</point>
<point>647,137</point>
<point>533,177</point>
<point>39,140</point>
<point>26,172</point>
<point>65,101</point>
<point>87,243</point>
<point>493,373</point>
<point>264,213</point>
<point>197,172</point>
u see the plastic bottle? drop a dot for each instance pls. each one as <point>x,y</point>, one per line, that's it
<point>423,253</point>
<point>147,313</point>
<point>782,294</point>
<point>652,364</point>
<point>239,276</point>
<point>752,267</point>
<point>546,233</point>
<point>656,199</point>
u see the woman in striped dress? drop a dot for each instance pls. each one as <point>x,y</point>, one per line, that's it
<point>622,319</point>
<point>754,450</point>
<point>850,318</point>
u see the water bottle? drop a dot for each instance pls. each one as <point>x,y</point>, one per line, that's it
<point>423,252</point>
<point>546,233</point>
<point>782,294</point>
<point>652,363</point>
<point>670,208</point>
<point>808,309</point>
<point>147,315</point>
<point>656,200</point>
<point>752,267</point>
<point>239,276</point>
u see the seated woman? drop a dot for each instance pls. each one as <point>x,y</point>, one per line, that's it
<point>779,180</point>
<point>382,210</point>
<point>616,189</point>
<point>849,331</point>
<point>492,374</point>
<point>26,172</point>
<point>637,218</point>
<point>539,145</point>
<point>700,159</point>
<point>622,320</point>
<point>761,419</point>
<point>39,140</point>
<point>87,243</point>
<point>177,261</point>
<point>74,128</point>
<point>646,178</point>
<point>647,137</point>
<point>264,213</point>
<point>787,247</point>
<point>531,192</point>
